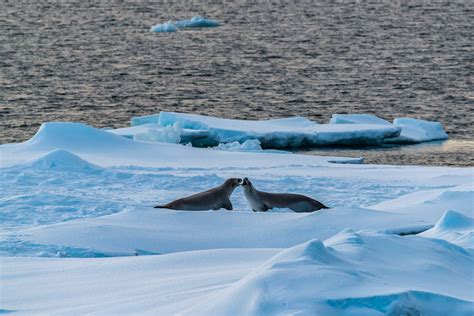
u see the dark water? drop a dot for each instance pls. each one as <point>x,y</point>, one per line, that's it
<point>96,62</point>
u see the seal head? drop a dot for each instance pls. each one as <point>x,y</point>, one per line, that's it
<point>263,201</point>
<point>212,199</point>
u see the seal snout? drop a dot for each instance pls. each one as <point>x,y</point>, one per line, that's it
<point>246,181</point>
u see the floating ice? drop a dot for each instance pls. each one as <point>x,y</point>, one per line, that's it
<point>168,134</point>
<point>417,131</point>
<point>412,130</point>
<point>173,26</point>
<point>154,132</point>
<point>248,145</point>
<point>221,262</point>
<point>357,119</point>
<point>166,27</point>
<point>290,132</point>
<point>196,22</point>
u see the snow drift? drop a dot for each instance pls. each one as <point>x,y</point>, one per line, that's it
<point>317,278</point>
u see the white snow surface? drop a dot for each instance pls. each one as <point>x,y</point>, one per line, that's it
<point>78,234</point>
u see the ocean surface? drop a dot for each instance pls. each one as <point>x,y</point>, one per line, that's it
<point>97,63</point>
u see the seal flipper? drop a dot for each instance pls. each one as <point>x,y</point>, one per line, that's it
<point>228,205</point>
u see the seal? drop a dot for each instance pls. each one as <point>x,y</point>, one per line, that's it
<point>212,199</point>
<point>263,201</point>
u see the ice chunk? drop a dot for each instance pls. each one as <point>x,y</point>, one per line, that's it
<point>412,130</point>
<point>153,132</point>
<point>196,22</point>
<point>166,27</point>
<point>173,26</point>
<point>417,131</point>
<point>289,132</point>
<point>357,119</point>
<point>169,134</point>
<point>248,145</point>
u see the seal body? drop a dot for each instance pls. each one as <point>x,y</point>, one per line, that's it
<point>263,201</point>
<point>213,199</point>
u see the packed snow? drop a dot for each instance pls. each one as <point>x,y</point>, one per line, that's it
<point>79,234</point>
<point>173,26</point>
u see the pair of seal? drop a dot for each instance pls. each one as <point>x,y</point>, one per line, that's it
<point>213,199</point>
<point>263,201</point>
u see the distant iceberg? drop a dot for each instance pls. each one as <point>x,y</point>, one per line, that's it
<point>173,26</point>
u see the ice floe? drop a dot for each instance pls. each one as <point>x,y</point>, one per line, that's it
<point>293,132</point>
<point>86,194</point>
<point>194,22</point>
<point>412,130</point>
<point>277,133</point>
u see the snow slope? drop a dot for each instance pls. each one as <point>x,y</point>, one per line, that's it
<point>82,197</point>
<point>356,274</point>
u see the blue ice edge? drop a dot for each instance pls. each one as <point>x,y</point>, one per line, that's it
<point>19,248</point>
<point>173,26</point>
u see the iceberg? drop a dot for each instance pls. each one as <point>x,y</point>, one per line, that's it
<point>412,130</point>
<point>173,26</point>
